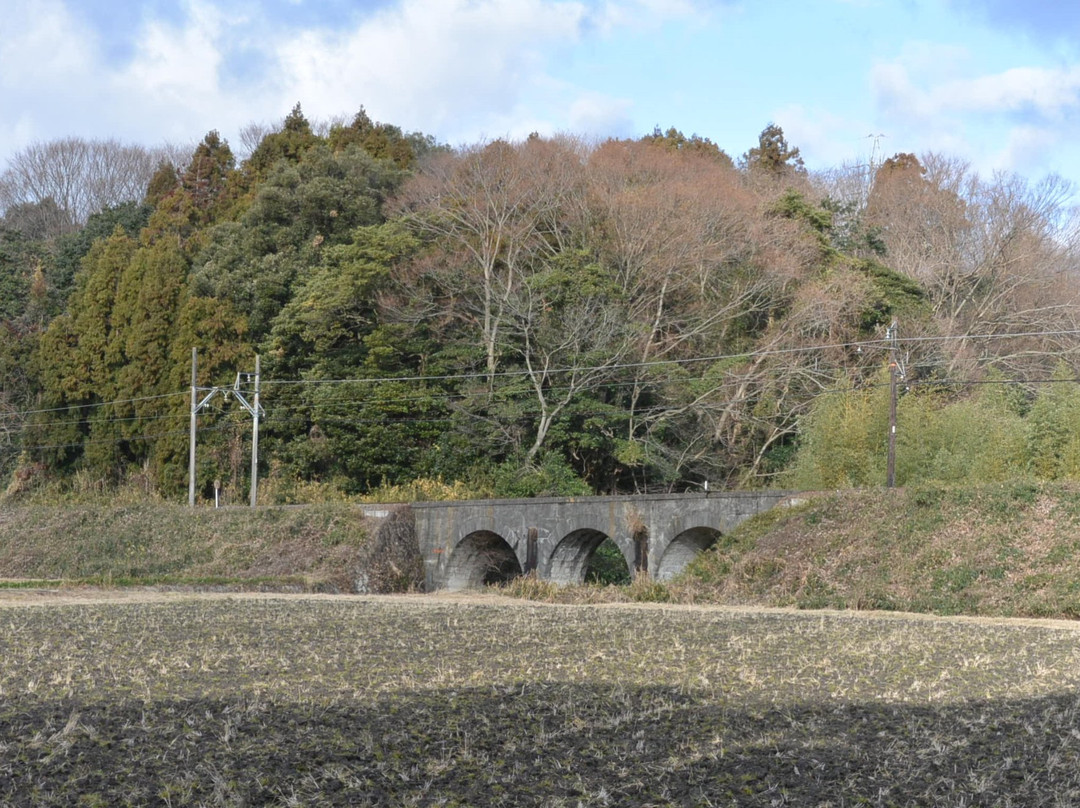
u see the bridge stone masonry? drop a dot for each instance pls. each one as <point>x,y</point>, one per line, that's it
<point>469,544</point>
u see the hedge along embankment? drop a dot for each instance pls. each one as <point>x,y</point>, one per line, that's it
<point>317,548</point>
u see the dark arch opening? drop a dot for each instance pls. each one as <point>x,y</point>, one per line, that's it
<point>480,559</point>
<point>570,559</point>
<point>683,549</point>
<point>607,565</point>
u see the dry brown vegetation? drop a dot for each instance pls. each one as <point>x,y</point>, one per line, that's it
<point>320,548</point>
<point>1005,550</point>
<point>348,701</point>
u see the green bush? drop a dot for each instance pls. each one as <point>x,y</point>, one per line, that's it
<point>546,476</point>
<point>843,442</point>
<point>607,566</point>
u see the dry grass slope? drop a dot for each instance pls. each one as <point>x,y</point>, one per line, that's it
<point>1007,550</point>
<point>317,548</point>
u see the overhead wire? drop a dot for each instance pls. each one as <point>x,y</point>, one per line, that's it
<point>126,439</point>
<point>437,396</point>
<point>113,402</point>
<point>856,345</point>
<point>612,414</point>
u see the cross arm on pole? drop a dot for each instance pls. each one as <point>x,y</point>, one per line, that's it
<point>213,391</point>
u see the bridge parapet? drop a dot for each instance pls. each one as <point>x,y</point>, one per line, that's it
<point>468,543</point>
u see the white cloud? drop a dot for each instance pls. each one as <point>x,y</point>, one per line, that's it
<point>1006,120</point>
<point>465,69</point>
<point>824,139</point>
<point>177,66</point>
<point>1047,91</point>
<point>46,68</point>
<point>1026,149</point>
<point>642,14</point>
<point>42,42</point>
<point>598,114</point>
<point>927,82</point>
<point>446,65</point>
<point>459,69</point>
<point>451,67</point>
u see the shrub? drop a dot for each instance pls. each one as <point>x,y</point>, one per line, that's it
<point>644,589</point>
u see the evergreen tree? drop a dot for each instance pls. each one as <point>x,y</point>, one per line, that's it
<point>290,143</point>
<point>382,141</point>
<point>298,212</point>
<point>674,140</point>
<point>773,156</point>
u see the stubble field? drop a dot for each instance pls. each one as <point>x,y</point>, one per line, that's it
<point>299,700</point>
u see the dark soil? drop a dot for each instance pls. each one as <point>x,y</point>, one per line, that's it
<point>299,701</point>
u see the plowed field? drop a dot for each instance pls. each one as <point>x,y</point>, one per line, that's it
<point>190,700</point>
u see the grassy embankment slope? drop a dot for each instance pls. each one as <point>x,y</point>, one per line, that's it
<point>1007,550</point>
<point>318,548</point>
<point>1011,550</point>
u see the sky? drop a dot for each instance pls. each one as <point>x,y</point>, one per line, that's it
<point>992,82</point>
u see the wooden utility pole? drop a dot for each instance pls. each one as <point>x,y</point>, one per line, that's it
<point>890,472</point>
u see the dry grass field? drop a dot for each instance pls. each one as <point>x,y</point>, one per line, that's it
<point>317,700</point>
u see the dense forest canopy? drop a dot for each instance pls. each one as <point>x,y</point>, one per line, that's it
<point>522,318</point>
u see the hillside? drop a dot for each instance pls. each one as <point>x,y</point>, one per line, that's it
<point>539,317</point>
<point>1005,550</point>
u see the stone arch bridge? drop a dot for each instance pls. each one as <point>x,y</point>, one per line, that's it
<point>468,544</point>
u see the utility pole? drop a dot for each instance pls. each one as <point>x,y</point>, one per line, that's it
<point>254,408</point>
<point>191,441</point>
<point>255,438</point>
<point>196,405</point>
<point>894,372</point>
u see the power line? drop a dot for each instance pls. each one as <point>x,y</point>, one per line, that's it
<point>24,413</point>
<point>577,369</point>
<point>745,355</point>
<point>614,415</point>
<point>875,343</point>
<point>953,337</point>
<point>644,412</point>
<point>116,420</point>
<point>114,441</point>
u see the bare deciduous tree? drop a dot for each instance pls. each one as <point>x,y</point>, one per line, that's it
<point>495,207</point>
<point>994,256</point>
<point>701,269</point>
<point>570,342</point>
<point>62,182</point>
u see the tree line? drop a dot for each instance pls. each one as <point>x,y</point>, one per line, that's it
<point>518,318</point>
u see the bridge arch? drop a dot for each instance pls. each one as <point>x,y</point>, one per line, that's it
<point>481,557</point>
<point>533,532</point>
<point>683,549</point>
<point>569,560</point>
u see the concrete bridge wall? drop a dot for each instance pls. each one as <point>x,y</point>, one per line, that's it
<point>467,544</point>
